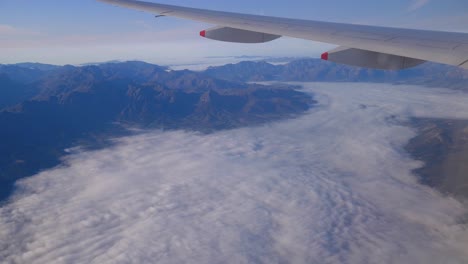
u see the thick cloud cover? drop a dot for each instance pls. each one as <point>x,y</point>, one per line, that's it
<point>333,186</point>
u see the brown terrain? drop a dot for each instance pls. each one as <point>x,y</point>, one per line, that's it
<point>443,146</point>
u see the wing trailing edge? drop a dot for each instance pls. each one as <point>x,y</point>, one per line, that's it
<point>382,47</point>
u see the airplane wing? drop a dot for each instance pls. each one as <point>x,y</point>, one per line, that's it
<point>359,45</point>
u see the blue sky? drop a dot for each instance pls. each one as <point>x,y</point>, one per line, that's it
<point>74,32</point>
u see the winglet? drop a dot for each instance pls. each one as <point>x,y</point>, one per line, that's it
<point>203,33</point>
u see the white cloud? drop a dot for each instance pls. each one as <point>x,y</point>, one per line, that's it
<point>4,29</point>
<point>417,4</point>
<point>333,186</point>
<point>8,31</point>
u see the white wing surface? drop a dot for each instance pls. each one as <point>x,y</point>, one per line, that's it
<point>365,46</point>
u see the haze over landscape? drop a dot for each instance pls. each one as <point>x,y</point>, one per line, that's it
<point>130,139</point>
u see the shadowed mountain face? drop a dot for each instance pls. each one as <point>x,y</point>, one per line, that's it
<point>69,105</point>
<point>26,72</point>
<point>313,70</point>
<point>443,146</point>
<point>12,92</point>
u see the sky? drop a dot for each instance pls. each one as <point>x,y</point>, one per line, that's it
<point>332,186</point>
<point>84,31</point>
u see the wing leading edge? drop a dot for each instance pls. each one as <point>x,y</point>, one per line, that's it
<point>367,46</point>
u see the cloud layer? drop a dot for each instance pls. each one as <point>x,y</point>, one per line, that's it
<point>417,4</point>
<point>333,186</point>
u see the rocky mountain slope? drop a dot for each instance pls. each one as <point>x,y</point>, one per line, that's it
<point>68,105</point>
<point>443,146</point>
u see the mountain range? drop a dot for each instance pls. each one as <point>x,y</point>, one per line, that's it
<point>47,109</point>
<point>314,70</point>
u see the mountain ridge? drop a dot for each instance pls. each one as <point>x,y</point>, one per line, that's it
<point>86,105</point>
<point>314,70</point>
